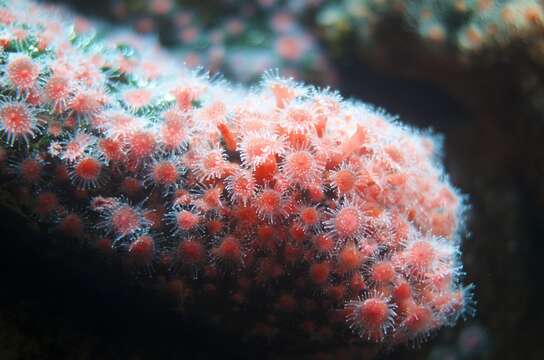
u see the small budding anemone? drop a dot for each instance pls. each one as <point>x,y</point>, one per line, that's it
<point>58,91</point>
<point>382,272</point>
<point>121,219</point>
<point>191,252</point>
<point>372,316</point>
<point>309,216</point>
<point>211,164</point>
<point>174,131</point>
<point>22,72</point>
<point>350,258</point>
<point>141,144</point>
<point>302,167</point>
<point>86,172</point>
<point>30,169</point>
<point>346,222</point>
<point>297,118</point>
<point>18,121</point>
<point>187,220</point>
<point>229,251</point>
<point>256,148</point>
<point>142,250</point>
<point>344,180</point>
<point>164,173</point>
<point>241,186</point>
<point>47,204</point>
<point>270,205</point>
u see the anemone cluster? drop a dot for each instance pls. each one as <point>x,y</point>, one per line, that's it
<point>316,215</point>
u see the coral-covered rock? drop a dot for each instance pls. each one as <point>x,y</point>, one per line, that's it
<point>316,215</point>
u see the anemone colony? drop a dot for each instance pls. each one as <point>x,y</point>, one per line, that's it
<point>316,214</point>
